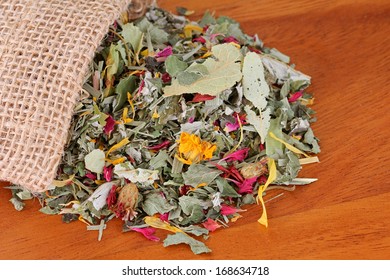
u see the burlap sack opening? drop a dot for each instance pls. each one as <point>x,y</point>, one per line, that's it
<point>46,47</point>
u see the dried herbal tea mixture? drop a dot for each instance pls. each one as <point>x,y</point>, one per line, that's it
<point>180,124</point>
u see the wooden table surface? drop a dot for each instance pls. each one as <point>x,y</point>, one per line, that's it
<point>344,46</point>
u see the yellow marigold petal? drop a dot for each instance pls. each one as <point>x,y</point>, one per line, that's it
<point>207,54</point>
<point>288,146</point>
<point>85,113</point>
<point>155,115</point>
<point>189,28</point>
<point>130,100</point>
<point>198,186</point>
<point>235,218</point>
<point>135,72</point>
<point>58,183</point>
<point>208,151</point>
<point>125,118</point>
<point>122,143</point>
<point>193,150</point>
<point>183,160</point>
<point>81,219</point>
<point>116,161</point>
<point>307,102</point>
<point>99,182</point>
<point>235,44</point>
<point>271,177</point>
<point>145,52</point>
<point>157,223</point>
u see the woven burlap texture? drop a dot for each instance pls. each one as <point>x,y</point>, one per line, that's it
<point>46,47</point>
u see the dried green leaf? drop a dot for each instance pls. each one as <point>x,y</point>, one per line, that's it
<point>157,35</point>
<point>225,188</point>
<point>195,230</point>
<point>160,160</point>
<point>260,122</point>
<point>197,247</point>
<point>174,65</point>
<point>126,85</point>
<point>200,174</point>
<point>224,71</point>
<point>283,72</point>
<point>95,161</point>
<point>112,62</point>
<point>24,195</point>
<point>155,202</point>
<point>19,205</point>
<point>138,175</point>
<point>48,210</point>
<point>256,90</point>
<point>133,35</point>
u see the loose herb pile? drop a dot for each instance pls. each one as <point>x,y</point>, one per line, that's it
<point>180,124</point>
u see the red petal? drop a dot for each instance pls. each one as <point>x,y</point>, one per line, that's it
<point>110,125</point>
<point>166,78</point>
<point>231,39</point>
<point>90,176</point>
<point>202,97</point>
<point>112,197</point>
<point>159,146</point>
<point>200,40</point>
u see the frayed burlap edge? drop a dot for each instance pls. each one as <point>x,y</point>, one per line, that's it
<point>45,50</point>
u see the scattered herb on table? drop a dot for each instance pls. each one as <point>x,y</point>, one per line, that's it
<point>180,124</point>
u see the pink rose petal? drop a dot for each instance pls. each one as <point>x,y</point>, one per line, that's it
<point>213,36</point>
<point>164,217</point>
<point>295,96</point>
<point>211,225</point>
<point>165,52</point>
<point>228,210</point>
<point>238,155</point>
<point>148,232</point>
<point>245,186</point>
<point>107,172</point>
<point>229,127</point>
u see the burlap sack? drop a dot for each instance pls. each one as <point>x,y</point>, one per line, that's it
<point>45,49</point>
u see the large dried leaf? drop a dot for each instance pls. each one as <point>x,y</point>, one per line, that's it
<point>256,90</point>
<point>197,247</point>
<point>224,70</point>
<point>199,174</point>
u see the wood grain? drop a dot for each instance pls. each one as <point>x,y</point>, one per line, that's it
<point>344,46</point>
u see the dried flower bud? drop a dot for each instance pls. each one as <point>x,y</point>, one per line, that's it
<point>127,202</point>
<point>256,169</point>
<point>137,9</point>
